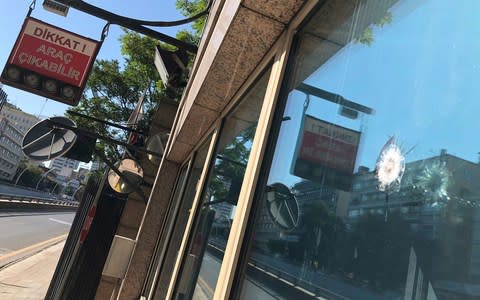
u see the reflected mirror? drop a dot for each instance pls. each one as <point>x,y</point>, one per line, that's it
<point>282,206</point>
<point>131,170</point>
<point>156,143</point>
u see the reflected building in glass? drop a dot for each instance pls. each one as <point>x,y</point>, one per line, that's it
<point>437,206</point>
<point>269,186</point>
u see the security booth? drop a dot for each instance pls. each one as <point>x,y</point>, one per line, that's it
<point>322,150</point>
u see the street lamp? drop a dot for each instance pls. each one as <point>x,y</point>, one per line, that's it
<point>20,175</point>
<point>74,193</point>
<point>43,175</point>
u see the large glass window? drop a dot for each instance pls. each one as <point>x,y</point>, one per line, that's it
<point>373,181</point>
<point>202,262</point>
<point>178,217</point>
<point>170,215</point>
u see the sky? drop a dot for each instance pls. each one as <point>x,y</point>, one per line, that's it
<point>13,16</point>
<point>420,75</point>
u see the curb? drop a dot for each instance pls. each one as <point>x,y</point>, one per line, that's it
<point>24,253</point>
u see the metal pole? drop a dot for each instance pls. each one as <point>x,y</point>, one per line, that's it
<point>21,173</point>
<point>56,184</point>
<point>104,122</point>
<point>43,175</point>
<point>127,23</point>
<point>332,97</point>
<point>74,193</point>
<point>94,135</point>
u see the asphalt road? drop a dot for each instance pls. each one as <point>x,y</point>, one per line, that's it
<point>20,191</point>
<point>254,287</point>
<point>20,231</point>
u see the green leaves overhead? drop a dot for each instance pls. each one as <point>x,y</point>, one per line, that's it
<point>191,8</point>
<point>114,86</point>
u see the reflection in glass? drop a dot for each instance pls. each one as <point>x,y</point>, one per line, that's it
<point>201,265</point>
<point>162,241</point>
<point>178,218</point>
<point>405,225</point>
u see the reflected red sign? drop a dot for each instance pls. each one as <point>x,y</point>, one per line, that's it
<point>329,145</point>
<point>49,52</point>
<point>326,153</point>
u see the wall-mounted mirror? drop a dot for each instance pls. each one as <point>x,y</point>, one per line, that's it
<point>131,170</point>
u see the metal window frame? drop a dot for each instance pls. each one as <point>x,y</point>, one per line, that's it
<point>172,211</point>
<point>204,141</point>
<point>279,54</point>
<point>236,240</point>
<point>193,210</point>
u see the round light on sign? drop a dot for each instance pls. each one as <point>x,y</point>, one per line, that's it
<point>68,92</point>
<point>32,80</point>
<point>50,86</point>
<point>13,73</point>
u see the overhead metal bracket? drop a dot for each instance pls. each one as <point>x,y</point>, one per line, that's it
<point>132,24</point>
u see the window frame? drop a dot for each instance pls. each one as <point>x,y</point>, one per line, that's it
<point>266,62</point>
<point>150,285</point>
<point>157,261</point>
<point>278,54</point>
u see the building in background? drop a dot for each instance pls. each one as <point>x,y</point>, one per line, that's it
<point>14,123</point>
<point>438,204</point>
<point>10,149</point>
<point>18,118</point>
<point>63,167</point>
<point>3,97</point>
<point>96,165</point>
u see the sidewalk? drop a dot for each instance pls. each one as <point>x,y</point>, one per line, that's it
<point>30,277</point>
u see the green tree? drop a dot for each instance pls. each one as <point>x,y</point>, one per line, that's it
<point>114,87</point>
<point>230,167</point>
<point>366,36</point>
<point>382,250</point>
<point>31,175</point>
<point>190,8</point>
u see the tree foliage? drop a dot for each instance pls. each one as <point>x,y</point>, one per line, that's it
<point>367,37</point>
<point>113,89</point>
<point>190,8</point>
<point>114,86</point>
<point>31,174</point>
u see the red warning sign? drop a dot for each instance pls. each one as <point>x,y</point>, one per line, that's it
<point>44,52</point>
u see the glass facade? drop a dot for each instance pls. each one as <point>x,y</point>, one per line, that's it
<point>160,247</point>
<point>201,265</point>
<point>179,213</point>
<point>372,187</point>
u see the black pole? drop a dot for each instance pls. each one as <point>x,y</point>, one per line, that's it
<point>104,122</point>
<point>127,23</point>
<point>332,97</point>
<point>95,135</point>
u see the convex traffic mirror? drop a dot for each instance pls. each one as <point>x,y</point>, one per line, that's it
<point>132,174</point>
<point>156,143</point>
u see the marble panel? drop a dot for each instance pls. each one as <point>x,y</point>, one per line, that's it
<point>280,10</point>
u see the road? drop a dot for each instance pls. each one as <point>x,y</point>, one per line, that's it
<point>257,288</point>
<point>20,191</point>
<point>23,230</point>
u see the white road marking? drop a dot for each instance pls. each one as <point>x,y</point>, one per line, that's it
<point>59,221</point>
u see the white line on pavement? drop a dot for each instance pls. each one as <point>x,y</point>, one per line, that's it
<point>59,221</point>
